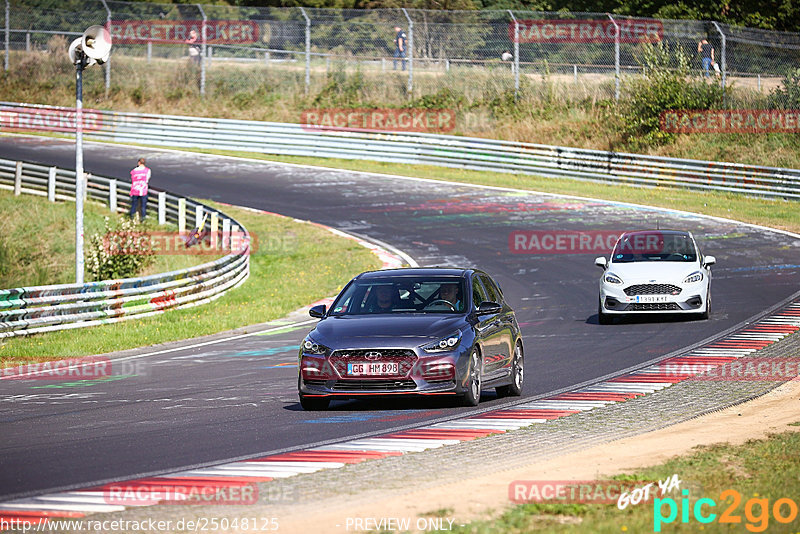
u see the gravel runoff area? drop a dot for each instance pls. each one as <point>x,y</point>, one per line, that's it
<point>305,502</point>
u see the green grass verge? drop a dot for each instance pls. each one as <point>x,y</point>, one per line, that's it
<point>762,470</point>
<point>295,264</point>
<point>779,214</point>
<point>45,254</point>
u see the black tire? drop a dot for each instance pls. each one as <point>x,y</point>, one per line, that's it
<point>472,396</point>
<point>314,404</point>
<point>517,375</point>
<point>706,314</point>
<point>602,318</point>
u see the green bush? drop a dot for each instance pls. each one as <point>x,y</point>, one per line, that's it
<point>122,251</point>
<point>787,96</point>
<point>668,84</point>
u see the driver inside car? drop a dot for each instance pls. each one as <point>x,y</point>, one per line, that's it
<point>449,292</point>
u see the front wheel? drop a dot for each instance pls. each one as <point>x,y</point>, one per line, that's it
<point>517,376</point>
<point>706,314</point>
<point>472,396</point>
<point>602,317</point>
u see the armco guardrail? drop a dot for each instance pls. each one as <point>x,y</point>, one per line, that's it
<point>29,310</point>
<point>430,149</point>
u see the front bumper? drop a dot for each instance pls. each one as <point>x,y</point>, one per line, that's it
<point>691,299</point>
<point>419,373</point>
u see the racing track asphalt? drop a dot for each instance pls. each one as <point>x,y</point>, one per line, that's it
<point>238,398</point>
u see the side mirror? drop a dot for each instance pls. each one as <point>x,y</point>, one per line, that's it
<point>317,311</point>
<point>488,307</point>
<point>601,262</point>
<point>708,261</point>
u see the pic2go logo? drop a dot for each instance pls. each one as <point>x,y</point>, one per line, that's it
<point>756,511</point>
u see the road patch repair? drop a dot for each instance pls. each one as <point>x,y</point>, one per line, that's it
<point>740,365</point>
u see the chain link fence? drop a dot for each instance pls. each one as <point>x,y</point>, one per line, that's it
<point>305,50</point>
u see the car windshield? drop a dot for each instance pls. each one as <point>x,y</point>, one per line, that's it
<point>401,295</point>
<point>654,246</point>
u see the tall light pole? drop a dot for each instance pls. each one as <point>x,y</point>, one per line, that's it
<point>94,46</point>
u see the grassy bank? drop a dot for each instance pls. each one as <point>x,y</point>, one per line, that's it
<point>549,109</point>
<point>760,471</point>
<point>295,264</point>
<point>37,245</point>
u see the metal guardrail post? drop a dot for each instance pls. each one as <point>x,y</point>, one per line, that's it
<point>51,184</point>
<point>722,62</point>
<point>108,63</point>
<point>18,179</point>
<point>203,51</point>
<point>226,234</point>
<point>410,53</point>
<point>308,50</point>
<point>214,228</point>
<point>162,208</point>
<point>8,31</point>
<point>616,57</point>
<point>112,196</point>
<point>516,53</point>
<point>182,215</point>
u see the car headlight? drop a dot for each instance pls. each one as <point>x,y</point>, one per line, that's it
<point>445,344</point>
<point>612,278</point>
<point>312,347</point>
<point>694,277</point>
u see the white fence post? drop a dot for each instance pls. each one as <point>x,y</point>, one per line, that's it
<point>226,234</point>
<point>162,208</point>
<point>214,229</point>
<point>18,179</point>
<point>198,216</point>
<point>182,215</point>
<point>112,196</point>
<point>51,184</point>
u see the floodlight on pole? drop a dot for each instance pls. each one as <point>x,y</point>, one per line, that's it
<point>93,47</point>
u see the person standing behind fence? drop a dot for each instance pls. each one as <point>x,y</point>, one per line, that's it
<point>706,52</point>
<point>140,177</point>
<point>400,42</point>
<point>194,48</point>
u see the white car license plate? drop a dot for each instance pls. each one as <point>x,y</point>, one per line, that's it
<point>651,298</point>
<point>372,368</point>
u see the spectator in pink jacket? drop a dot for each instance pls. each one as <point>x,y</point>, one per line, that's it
<point>140,177</point>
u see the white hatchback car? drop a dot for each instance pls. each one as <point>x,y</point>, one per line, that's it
<point>655,271</point>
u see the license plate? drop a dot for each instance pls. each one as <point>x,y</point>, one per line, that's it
<point>651,298</point>
<point>372,368</point>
